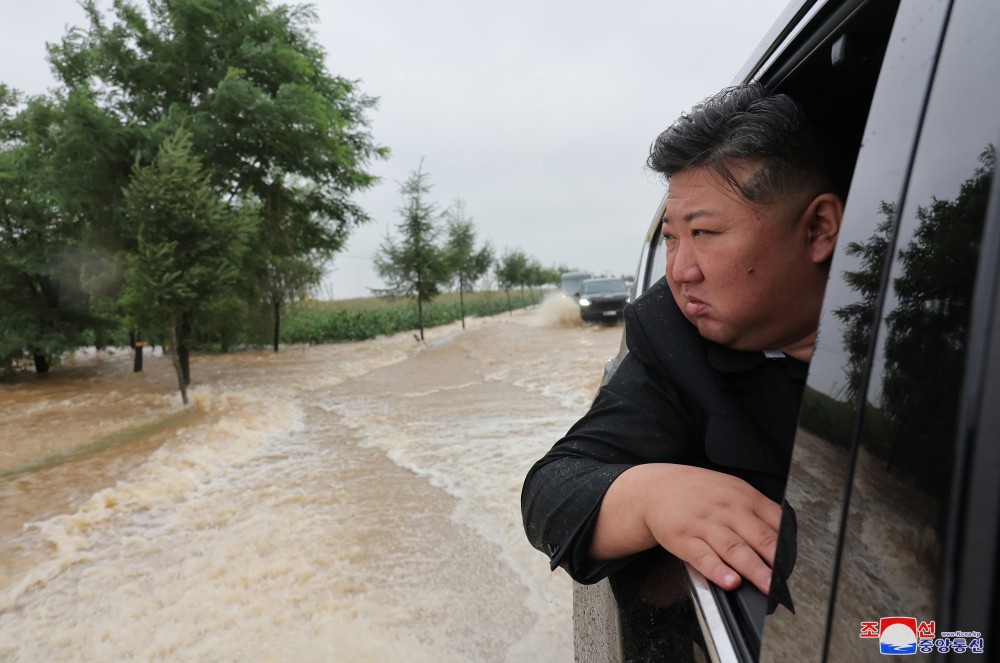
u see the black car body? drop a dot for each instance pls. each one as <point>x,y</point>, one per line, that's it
<point>895,475</point>
<point>603,300</point>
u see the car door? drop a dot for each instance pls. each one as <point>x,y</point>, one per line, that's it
<point>891,424</point>
<point>638,610</point>
<point>891,502</point>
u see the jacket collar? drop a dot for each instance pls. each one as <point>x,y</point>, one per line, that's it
<point>726,360</point>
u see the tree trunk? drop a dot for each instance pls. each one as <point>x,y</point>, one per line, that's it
<point>41,364</point>
<point>175,355</point>
<point>461,300</point>
<point>133,341</point>
<point>277,323</point>
<point>182,349</point>
<point>509,311</point>
<point>420,316</point>
<point>184,357</point>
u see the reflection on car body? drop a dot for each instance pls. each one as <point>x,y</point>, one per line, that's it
<point>895,475</point>
<point>603,299</point>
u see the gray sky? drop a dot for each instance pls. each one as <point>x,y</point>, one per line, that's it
<point>538,114</point>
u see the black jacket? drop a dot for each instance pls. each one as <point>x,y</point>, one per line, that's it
<point>675,398</point>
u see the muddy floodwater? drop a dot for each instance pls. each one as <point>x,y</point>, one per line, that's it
<point>350,502</point>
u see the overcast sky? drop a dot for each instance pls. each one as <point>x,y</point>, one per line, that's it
<point>538,114</point>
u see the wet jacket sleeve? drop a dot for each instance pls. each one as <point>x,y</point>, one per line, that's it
<point>638,417</point>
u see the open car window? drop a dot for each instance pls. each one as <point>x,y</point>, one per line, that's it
<point>890,500</point>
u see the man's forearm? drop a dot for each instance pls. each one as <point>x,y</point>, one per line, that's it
<point>621,528</point>
<point>717,522</point>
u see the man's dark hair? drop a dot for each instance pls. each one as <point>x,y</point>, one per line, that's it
<point>746,122</point>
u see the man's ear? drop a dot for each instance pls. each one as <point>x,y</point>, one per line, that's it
<point>823,217</point>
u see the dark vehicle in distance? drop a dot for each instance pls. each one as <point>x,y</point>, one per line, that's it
<point>603,299</point>
<point>895,473</point>
<point>570,283</point>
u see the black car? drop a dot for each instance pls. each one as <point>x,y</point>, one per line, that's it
<point>895,475</point>
<point>603,300</point>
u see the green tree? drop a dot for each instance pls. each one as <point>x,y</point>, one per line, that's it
<point>466,263</point>
<point>537,276</point>
<point>44,308</point>
<point>511,270</point>
<point>271,126</point>
<point>415,266</point>
<point>189,247</point>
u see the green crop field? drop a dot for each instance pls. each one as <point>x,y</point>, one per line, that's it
<point>335,321</point>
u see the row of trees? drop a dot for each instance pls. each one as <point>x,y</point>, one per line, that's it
<point>425,256</point>
<point>195,163</point>
<point>515,268</point>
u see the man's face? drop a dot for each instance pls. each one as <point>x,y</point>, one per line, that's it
<point>743,273</point>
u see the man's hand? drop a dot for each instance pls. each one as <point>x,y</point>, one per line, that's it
<point>718,523</point>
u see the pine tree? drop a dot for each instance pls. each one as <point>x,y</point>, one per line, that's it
<point>189,247</point>
<point>414,266</point>
<point>467,265</point>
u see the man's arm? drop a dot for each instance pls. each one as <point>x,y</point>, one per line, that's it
<point>716,522</point>
<point>631,422</point>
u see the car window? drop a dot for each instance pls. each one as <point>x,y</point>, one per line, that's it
<point>821,460</point>
<point>599,287</point>
<point>895,530</point>
<point>855,428</point>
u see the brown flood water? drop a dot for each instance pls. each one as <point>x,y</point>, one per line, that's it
<point>354,502</point>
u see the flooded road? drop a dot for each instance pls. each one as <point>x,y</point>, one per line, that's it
<point>354,502</point>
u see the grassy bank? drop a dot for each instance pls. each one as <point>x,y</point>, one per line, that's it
<point>364,318</point>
